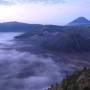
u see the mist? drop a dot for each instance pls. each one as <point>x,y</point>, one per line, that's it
<point>25,71</point>
<point>20,70</point>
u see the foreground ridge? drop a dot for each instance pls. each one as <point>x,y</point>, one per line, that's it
<point>80,80</point>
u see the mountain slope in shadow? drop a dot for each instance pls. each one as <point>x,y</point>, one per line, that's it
<point>63,39</point>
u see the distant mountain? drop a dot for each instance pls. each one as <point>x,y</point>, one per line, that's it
<point>79,21</point>
<point>18,27</point>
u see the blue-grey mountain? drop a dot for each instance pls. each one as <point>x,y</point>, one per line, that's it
<point>79,22</point>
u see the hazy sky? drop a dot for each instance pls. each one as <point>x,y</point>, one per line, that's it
<point>43,11</point>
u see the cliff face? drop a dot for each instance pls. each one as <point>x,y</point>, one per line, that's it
<point>78,81</point>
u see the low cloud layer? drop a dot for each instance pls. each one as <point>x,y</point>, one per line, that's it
<point>22,71</point>
<point>25,71</point>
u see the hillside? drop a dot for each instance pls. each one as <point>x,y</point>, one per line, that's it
<point>78,81</point>
<point>58,39</point>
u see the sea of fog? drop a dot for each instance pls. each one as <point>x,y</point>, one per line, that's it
<point>25,71</point>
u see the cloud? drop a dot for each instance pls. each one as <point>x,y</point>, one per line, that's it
<point>26,69</point>
<point>4,2</point>
<point>8,2</point>
<point>46,1</point>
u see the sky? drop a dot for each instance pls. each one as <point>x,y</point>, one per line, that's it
<point>57,12</point>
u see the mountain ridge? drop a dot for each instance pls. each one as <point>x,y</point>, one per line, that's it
<point>15,26</point>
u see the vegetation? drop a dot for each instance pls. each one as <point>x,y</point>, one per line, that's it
<point>80,80</point>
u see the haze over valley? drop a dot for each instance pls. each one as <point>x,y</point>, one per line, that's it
<point>46,53</point>
<point>44,45</point>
